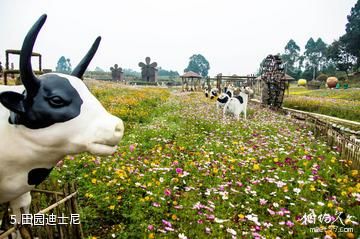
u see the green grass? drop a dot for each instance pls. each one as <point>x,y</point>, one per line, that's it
<point>340,103</point>
<point>349,94</point>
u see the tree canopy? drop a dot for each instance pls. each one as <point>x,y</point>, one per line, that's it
<point>198,64</point>
<point>318,58</point>
<point>169,73</point>
<point>63,65</point>
<point>337,53</point>
<point>99,69</point>
<point>291,57</point>
<point>351,39</point>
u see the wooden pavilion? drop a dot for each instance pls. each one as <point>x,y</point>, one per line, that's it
<point>191,79</point>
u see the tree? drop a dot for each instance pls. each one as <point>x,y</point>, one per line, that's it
<point>310,57</point>
<point>198,64</point>
<point>99,69</point>
<point>308,72</point>
<point>292,50</point>
<point>170,73</point>
<point>63,65</point>
<point>351,39</point>
<point>291,57</point>
<point>339,56</point>
<point>315,54</point>
<point>132,73</point>
<point>320,49</point>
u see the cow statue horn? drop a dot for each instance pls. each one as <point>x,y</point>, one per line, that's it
<point>81,67</point>
<point>30,81</point>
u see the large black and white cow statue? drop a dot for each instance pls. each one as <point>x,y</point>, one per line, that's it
<point>233,105</point>
<point>50,116</point>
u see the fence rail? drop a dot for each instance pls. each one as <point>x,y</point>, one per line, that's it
<point>62,202</point>
<point>346,140</point>
<point>336,131</point>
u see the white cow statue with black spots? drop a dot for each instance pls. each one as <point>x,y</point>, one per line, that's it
<point>48,117</point>
<point>233,105</point>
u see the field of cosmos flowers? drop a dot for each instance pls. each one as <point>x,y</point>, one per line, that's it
<point>181,171</point>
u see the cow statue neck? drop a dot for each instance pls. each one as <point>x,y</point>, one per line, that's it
<point>45,119</point>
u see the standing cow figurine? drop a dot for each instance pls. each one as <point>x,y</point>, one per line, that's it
<point>50,116</point>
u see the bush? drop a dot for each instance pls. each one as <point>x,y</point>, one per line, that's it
<point>322,77</point>
<point>143,83</point>
<point>342,78</point>
<point>314,85</point>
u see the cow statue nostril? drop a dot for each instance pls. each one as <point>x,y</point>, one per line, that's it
<point>119,129</point>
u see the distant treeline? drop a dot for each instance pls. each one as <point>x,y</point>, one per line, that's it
<point>342,55</point>
<point>136,74</point>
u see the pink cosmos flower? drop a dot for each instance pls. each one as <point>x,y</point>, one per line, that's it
<point>150,227</point>
<point>166,223</point>
<point>210,217</point>
<point>281,213</point>
<point>167,192</point>
<point>60,163</point>
<point>271,212</point>
<point>289,224</point>
<point>179,170</point>
<point>132,148</point>
<point>263,201</point>
<point>169,229</point>
<point>256,235</point>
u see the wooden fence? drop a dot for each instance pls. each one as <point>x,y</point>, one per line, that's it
<point>62,223</point>
<point>338,132</point>
<point>346,140</point>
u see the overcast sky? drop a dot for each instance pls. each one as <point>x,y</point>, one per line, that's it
<point>233,35</point>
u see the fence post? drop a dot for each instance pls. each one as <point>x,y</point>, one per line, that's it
<point>78,229</point>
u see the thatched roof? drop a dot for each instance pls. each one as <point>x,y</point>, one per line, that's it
<point>289,78</point>
<point>191,74</point>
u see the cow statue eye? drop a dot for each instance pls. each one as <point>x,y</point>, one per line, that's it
<point>56,101</point>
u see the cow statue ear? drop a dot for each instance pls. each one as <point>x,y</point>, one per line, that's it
<point>13,101</point>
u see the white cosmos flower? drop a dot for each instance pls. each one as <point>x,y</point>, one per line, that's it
<point>231,231</point>
<point>182,236</point>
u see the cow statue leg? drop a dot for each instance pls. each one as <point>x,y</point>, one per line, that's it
<point>24,202</point>
<point>224,110</point>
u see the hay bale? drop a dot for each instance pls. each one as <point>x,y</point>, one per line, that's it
<point>301,82</point>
